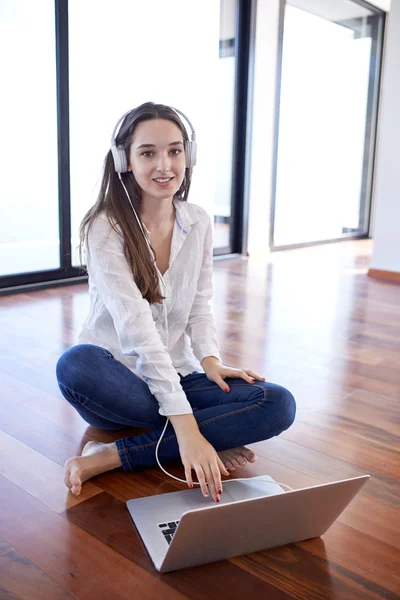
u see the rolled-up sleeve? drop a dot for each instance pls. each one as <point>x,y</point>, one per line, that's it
<point>132,317</point>
<point>201,326</point>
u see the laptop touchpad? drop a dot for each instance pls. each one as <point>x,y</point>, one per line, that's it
<point>195,499</point>
<point>254,487</point>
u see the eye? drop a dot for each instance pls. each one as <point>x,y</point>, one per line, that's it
<point>176,152</point>
<point>147,153</point>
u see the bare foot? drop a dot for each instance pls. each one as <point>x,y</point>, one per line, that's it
<point>96,458</point>
<point>237,457</point>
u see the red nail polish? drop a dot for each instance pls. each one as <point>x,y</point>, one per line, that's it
<point>226,390</point>
<point>218,500</point>
<point>219,491</point>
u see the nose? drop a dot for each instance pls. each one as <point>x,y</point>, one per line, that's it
<point>164,162</point>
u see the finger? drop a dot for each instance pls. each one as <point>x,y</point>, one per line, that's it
<point>210,481</point>
<point>188,476</point>
<point>202,480</point>
<point>222,384</point>
<point>248,378</point>
<point>217,478</point>
<point>239,374</point>
<point>222,467</point>
<point>254,375</point>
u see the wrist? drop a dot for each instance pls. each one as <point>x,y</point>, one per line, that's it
<point>210,360</point>
<point>184,424</point>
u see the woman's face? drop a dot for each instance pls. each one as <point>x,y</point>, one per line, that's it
<point>157,158</point>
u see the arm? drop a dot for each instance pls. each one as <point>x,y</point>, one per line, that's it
<point>200,327</point>
<point>132,317</point>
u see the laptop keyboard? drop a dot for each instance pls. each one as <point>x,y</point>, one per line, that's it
<point>168,529</point>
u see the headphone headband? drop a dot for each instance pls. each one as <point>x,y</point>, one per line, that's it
<point>119,155</point>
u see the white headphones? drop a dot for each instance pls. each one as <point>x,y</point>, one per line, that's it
<point>121,165</point>
<point>119,154</point>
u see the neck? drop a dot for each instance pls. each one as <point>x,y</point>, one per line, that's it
<point>157,213</point>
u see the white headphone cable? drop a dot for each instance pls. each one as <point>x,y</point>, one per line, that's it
<point>196,482</point>
<point>137,218</point>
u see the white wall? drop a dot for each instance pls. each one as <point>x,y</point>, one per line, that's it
<point>382,4</point>
<point>386,253</point>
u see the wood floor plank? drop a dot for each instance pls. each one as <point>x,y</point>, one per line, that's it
<point>47,433</point>
<point>41,377</point>
<point>363,407</point>
<point>51,407</point>
<point>362,554</point>
<point>85,567</point>
<point>20,579</point>
<point>381,488</point>
<point>362,452</point>
<point>358,420</point>
<point>38,475</point>
<point>309,577</point>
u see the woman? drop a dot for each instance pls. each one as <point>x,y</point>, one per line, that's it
<point>148,348</point>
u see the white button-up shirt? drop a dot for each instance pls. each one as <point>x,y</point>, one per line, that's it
<point>158,341</point>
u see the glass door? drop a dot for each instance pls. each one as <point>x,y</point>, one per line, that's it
<point>327,117</point>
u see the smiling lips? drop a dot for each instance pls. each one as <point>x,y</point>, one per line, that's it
<point>163,181</point>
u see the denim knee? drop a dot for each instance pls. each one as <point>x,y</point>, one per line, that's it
<point>281,408</point>
<point>69,365</point>
<point>287,406</point>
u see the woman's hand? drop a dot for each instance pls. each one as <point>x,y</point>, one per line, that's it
<point>217,372</point>
<point>198,454</point>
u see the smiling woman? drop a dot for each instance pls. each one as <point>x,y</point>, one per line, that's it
<point>148,347</point>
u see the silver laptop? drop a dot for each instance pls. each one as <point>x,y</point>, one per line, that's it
<point>183,529</point>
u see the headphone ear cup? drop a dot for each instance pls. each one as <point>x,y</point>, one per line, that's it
<point>193,153</point>
<point>119,156</point>
<point>190,153</point>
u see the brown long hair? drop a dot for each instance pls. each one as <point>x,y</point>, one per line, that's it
<point>113,201</point>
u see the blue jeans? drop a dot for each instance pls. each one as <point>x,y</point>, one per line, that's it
<point>109,396</point>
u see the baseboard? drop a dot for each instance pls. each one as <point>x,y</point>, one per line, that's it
<point>392,276</point>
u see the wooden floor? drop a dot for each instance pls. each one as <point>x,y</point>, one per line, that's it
<point>308,319</point>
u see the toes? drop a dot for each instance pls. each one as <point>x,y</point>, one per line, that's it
<point>76,489</point>
<point>229,465</point>
<point>75,477</point>
<point>249,455</point>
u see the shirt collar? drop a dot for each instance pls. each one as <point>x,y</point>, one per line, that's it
<point>185,216</point>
